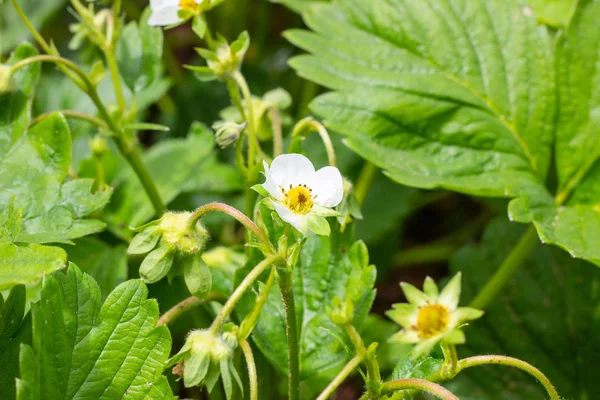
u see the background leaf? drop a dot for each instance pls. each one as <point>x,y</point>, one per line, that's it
<point>27,263</point>
<point>547,315</point>
<point>84,351</point>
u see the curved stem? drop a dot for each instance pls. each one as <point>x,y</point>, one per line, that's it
<point>287,295</point>
<point>252,375</point>
<point>511,264</point>
<point>511,362</point>
<point>341,377</point>
<point>419,384</point>
<point>72,114</point>
<point>303,128</point>
<point>243,85</point>
<point>175,312</point>
<point>250,320</point>
<point>235,213</point>
<point>241,289</point>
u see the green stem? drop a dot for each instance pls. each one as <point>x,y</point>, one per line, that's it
<point>72,114</point>
<point>511,264</point>
<point>287,295</point>
<point>449,366</point>
<point>364,181</point>
<point>367,355</point>
<point>251,319</point>
<point>175,312</point>
<point>129,151</point>
<point>116,79</point>
<point>340,378</point>
<point>241,289</point>
<point>235,213</point>
<point>511,362</point>
<point>243,85</point>
<point>425,254</point>
<point>301,131</point>
<point>277,134</point>
<point>419,384</point>
<point>252,374</point>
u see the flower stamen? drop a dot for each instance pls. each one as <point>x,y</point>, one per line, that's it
<point>298,199</point>
<point>189,5</point>
<point>432,320</point>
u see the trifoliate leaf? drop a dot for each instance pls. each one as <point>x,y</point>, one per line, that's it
<point>82,350</point>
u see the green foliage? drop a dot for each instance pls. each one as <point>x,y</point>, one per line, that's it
<point>547,315</point>
<point>327,267</point>
<point>14,330</point>
<point>83,350</point>
<point>461,95</point>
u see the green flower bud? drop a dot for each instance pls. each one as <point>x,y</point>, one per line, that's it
<point>227,132</point>
<point>342,313</point>
<point>98,145</point>
<point>178,234</point>
<point>227,58</point>
<point>5,78</point>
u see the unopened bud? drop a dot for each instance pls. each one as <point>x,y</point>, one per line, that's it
<point>177,232</point>
<point>5,78</point>
<point>98,145</point>
<point>227,132</point>
<point>342,312</point>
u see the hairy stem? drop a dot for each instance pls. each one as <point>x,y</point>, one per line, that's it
<point>340,377</point>
<point>301,131</point>
<point>250,320</point>
<point>72,114</point>
<point>235,213</point>
<point>287,295</point>
<point>175,312</point>
<point>252,374</point>
<point>241,289</point>
<point>511,264</point>
<point>511,362</point>
<point>418,384</point>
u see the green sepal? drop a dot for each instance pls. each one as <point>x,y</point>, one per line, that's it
<point>144,241</point>
<point>207,54</point>
<point>146,126</point>
<point>195,369</point>
<point>204,74</point>
<point>261,190</point>
<point>214,371</point>
<point>157,264</point>
<point>325,212</point>
<point>198,278</point>
<point>318,225</point>
<point>199,26</point>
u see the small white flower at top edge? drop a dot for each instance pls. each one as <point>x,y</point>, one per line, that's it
<point>431,316</point>
<point>300,194</point>
<point>166,12</point>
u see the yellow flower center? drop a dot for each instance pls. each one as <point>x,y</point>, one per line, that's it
<point>189,5</point>
<point>432,320</point>
<point>298,199</point>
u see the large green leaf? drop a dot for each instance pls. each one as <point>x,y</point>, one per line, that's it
<point>105,263</point>
<point>575,222</point>
<point>14,330</point>
<point>82,350</point>
<point>548,315</point>
<point>556,13</point>
<point>327,267</point>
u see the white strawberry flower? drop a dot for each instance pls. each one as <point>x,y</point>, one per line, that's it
<point>302,196</point>
<point>167,12</point>
<point>431,316</point>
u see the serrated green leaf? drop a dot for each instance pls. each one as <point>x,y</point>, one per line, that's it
<point>26,263</point>
<point>139,53</point>
<point>574,223</point>
<point>81,350</point>
<point>547,315</point>
<point>14,330</point>
<point>327,267</point>
<point>298,6</point>
<point>105,263</point>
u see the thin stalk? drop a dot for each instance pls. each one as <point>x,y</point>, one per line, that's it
<point>340,377</point>
<point>511,264</point>
<point>101,177</point>
<point>419,384</point>
<point>373,372</point>
<point>135,161</point>
<point>252,374</point>
<point>287,295</point>
<point>111,61</point>
<point>301,131</point>
<point>243,85</point>
<point>250,320</point>
<point>511,362</point>
<point>425,254</point>
<point>241,289</point>
<point>176,311</point>
<point>364,181</point>
<point>74,115</point>
<point>277,134</point>
<point>235,213</point>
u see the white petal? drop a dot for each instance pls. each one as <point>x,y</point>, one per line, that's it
<point>327,186</point>
<point>164,16</point>
<point>290,169</point>
<point>298,221</point>
<point>156,4</point>
<point>271,185</point>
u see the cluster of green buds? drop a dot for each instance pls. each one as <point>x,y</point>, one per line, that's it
<point>5,78</point>
<point>226,59</point>
<point>342,312</point>
<point>95,27</point>
<point>272,105</point>
<point>173,245</point>
<point>205,357</point>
